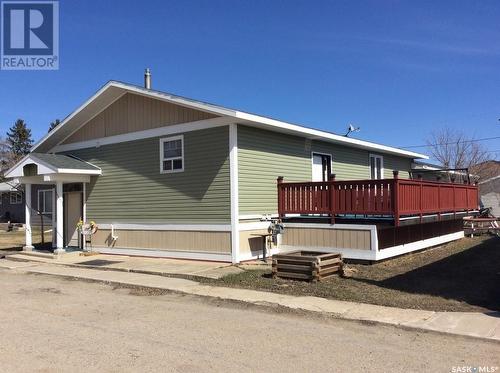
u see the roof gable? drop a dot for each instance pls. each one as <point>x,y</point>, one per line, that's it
<point>113,91</point>
<point>132,113</point>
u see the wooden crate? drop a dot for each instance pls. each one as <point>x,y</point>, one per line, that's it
<point>307,265</point>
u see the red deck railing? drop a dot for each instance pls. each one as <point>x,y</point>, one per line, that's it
<point>395,197</point>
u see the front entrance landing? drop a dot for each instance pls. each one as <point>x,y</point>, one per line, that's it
<point>154,266</point>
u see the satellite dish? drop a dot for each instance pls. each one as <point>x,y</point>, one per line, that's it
<point>351,129</point>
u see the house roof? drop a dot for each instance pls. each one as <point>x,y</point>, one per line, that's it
<point>8,187</point>
<point>113,90</point>
<point>61,161</point>
<point>53,164</point>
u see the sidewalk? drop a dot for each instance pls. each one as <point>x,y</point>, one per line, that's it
<point>481,325</point>
<point>153,266</point>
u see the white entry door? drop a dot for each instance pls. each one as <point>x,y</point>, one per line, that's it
<point>321,167</point>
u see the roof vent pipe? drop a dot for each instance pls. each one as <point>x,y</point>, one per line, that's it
<point>147,79</point>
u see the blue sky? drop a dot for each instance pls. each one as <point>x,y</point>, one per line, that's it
<point>397,69</point>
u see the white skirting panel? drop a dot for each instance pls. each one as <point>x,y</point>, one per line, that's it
<point>418,245</point>
<point>389,252</point>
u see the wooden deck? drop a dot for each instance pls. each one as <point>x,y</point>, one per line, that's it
<point>396,198</point>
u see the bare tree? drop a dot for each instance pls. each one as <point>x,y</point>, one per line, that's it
<point>454,149</point>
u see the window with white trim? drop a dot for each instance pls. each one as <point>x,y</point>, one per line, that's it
<point>16,198</point>
<point>376,167</point>
<point>45,201</point>
<point>172,154</point>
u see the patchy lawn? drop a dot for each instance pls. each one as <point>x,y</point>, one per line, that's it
<point>15,240</point>
<point>459,276</point>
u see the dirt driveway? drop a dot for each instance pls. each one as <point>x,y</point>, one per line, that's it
<point>53,324</point>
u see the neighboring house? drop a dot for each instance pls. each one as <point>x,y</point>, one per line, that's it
<point>163,175</point>
<point>11,203</point>
<point>489,191</point>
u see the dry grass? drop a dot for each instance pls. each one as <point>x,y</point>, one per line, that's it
<point>460,276</point>
<point>15,240</point>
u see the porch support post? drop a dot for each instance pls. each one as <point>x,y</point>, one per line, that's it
<point>84,212</point>
<point>332,198</point>
<point>59,216</point>
<point>54,227</point>
<point>28,233</point>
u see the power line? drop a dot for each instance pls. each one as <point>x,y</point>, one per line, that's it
<point>450,143</point>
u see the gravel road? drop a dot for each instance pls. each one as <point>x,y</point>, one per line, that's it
<point>52,324</point>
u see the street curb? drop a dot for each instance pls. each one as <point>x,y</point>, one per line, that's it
<point>194,288</point>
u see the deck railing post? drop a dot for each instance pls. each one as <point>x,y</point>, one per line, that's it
<point>331,185</point>
<point>280,196</point>
<point>438,178</point>
<point>421,196</point>
<point>395,194</point>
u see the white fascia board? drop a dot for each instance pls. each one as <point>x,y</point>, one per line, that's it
<point>72,115</point>
<point>78,171</point>
<point>29,180</point>
<point>67,178</point>
<point>270,122</point>
<point>245,117</point>
<point>322,135</point>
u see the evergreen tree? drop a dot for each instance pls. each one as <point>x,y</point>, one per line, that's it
<point>54,124</point>
<point>19,139</point>
<point>4,158</point>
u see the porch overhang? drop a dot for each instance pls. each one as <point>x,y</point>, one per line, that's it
<point>58,169</point>
<point>39,168</point>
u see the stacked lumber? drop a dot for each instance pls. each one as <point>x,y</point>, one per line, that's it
<point>307,265</point>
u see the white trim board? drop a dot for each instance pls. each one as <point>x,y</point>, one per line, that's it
<point>118,88</point>
<point>216,257</point>
<point>138,135</point>
<point>167,227</point>
<point>233,170</point>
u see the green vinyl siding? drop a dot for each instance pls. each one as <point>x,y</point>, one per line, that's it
<point>262,157</point>
<point>265,155</point>
<point>391,163</point>
<point>354,164</point>
<point>347,163</point>
<point>132,189</point>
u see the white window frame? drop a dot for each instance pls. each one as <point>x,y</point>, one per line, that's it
<point>42,192</point>
<point>381,157</point>
<point>312,161</point>
<point>16,202</point>
<point>162,159</point>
